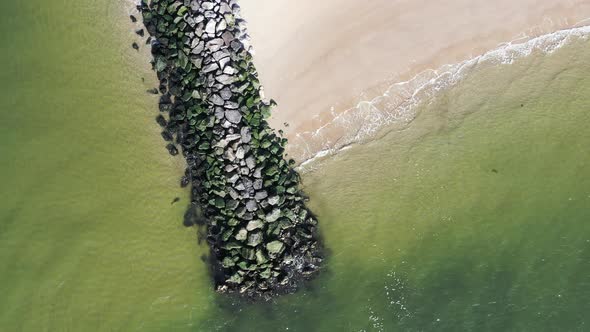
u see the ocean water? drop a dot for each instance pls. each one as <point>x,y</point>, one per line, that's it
<point>472,217</point>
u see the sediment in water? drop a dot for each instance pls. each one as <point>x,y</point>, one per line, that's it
<point>262,237</point>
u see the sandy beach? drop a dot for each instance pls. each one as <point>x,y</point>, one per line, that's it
<point>318,59</point>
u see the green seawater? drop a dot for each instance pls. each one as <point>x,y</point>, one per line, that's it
<point>475,217</point>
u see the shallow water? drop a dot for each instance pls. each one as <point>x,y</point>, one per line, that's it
<point>474,217</point>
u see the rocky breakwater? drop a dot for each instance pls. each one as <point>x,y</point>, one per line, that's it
<point>262,237</point>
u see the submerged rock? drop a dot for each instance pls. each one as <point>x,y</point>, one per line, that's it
<point>172,149</point>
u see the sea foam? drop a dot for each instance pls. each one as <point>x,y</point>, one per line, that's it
<point>398,104</point>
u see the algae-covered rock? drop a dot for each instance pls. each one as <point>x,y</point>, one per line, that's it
<point>275,247</point>
<point>254,224</point>
<point>255,238</point>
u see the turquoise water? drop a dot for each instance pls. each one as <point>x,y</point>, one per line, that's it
<point>474,217</point>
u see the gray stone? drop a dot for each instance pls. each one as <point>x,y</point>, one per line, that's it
<point>223,62</point>
<point>240,153</point>
<point>214,44</point>
<point>207,5</point>
<point>240,187</point>
<point>260,195</point>
<point>225,79</point>
<point>244,171</point>
<point>210,27</point>
<point>210,68</point>
<point>217,100</point>
<point>251,163</point>
<point>233,178</point>
<point>231,105</point>
<point>258,172</point>
<point>227,37</point>
<point>226,94</point>
<point>233,116</point>
<point>219,113</point>
<point>221,26</point>
<point>246,134</point>
<point>257,184</point>
<point>221,54</point>
<point>233,193</point>
<point>233,137</point>
<point>251,205</point>
<point>229,70</point>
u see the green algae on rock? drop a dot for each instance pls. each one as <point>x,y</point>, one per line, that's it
<point>262,237</point>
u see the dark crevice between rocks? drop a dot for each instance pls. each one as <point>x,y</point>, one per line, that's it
<point>245,197</point>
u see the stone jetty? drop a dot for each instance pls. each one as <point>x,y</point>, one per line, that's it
<point>262,237</point>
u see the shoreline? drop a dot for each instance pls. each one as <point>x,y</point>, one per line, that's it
<point>437,81</point>
<point>386,44</point>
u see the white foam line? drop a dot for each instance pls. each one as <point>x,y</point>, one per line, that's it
<point>440,79</point>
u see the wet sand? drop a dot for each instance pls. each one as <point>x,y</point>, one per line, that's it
<point>318,59</point>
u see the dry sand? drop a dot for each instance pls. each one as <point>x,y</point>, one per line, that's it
<point>318,58</point>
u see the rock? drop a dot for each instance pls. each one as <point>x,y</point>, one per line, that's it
<point>260,195</point>
<point>167,136</point>
<point>135,46</point>
<point>274,215</point>
<point>161,120</point>
<point>257,184</point>
<point>133,19</point>
<point>242,235</point>
<point>225,94</point>
<point>235,279</point>
<point>251,205</point>
<point>227,37</point>
<point>255,238</point>
<point>231,204</point>
<point>210,67</point>
<point>227,262</point>
<point>140,32</point>
<point>219,113</point>
<point>275,248</point>
<point>214,44</point>
<point>254,224</point>
<point>231,105</point>
<point>233,193</point>
<point>229,70</point>
<point>233,137</point>
<point>210,27</point>
<point>261,258</point>
<point>153,91</point>
<point>251,163</point>
<point>234,178</point>
<point>244,170</point>
<point>225,79</point>
<point>240,153</point>
<point>184,181</point>
<point>172,149</point>
<point>233,116</point>
<point>223,62</point>
<point>217,100</point>
<point>273,200</point>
